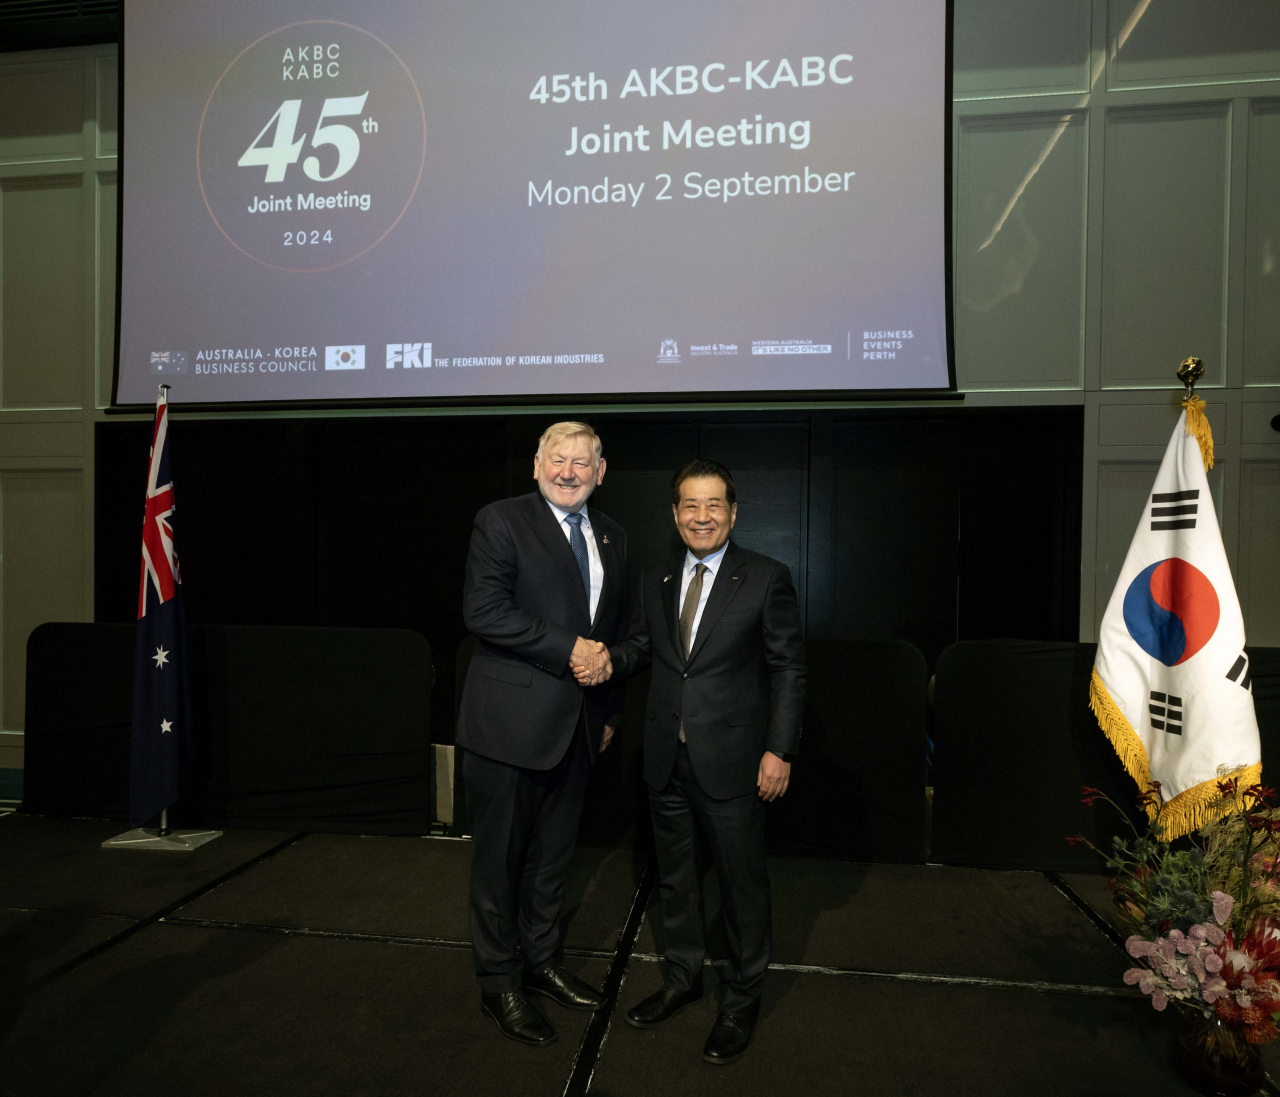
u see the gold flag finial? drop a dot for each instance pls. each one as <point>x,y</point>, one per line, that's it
<point>1191,370</point>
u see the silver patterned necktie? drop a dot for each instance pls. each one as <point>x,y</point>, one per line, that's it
<point>687,613</point>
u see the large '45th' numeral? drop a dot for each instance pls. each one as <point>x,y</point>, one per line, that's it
<point>284,150</point>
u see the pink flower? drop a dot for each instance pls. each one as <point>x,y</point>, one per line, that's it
<point>1159,1000</point>
<point>1137,947</point>
<point>1213,988</point>
<point>1222,904</point>
<point>1215,935</point>
<point>1213,963</point>
<point>1133,975</point>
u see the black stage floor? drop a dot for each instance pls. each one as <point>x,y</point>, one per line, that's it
<point>294,964</point>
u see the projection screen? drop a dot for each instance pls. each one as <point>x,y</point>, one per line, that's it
<point>338,200</point>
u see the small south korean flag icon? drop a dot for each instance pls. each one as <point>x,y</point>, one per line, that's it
<point>344,357</point>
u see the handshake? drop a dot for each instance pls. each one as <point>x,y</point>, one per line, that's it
<point>590,662</point>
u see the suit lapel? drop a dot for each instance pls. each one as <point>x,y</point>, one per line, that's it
<point>728,580</point>
<point>608,564</point>
<point>544,523</point>
<point>670,601</point>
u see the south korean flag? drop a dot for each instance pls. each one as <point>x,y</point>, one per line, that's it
<point>1171,686</point>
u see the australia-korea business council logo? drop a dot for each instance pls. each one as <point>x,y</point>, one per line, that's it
<point>244,360</point>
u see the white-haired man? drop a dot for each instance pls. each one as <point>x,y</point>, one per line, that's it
<point>545,595</point>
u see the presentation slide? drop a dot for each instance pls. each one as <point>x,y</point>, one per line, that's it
<point>391,199</point>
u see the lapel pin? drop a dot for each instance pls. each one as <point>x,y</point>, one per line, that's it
<point>666,578</point>
<point>605,538</point>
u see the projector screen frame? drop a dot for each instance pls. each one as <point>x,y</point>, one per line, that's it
<point>603,400</point>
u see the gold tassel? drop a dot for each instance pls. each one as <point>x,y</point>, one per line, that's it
<point>1198,424</point>
<point>1203,804</point>
<point>1133,755</point>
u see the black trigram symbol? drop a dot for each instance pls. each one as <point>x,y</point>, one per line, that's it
<point>1166,713</point>
<point>1174,509</point>
<point>1240,673</point>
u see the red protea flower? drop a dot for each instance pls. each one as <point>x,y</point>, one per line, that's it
<point>1262,945</point>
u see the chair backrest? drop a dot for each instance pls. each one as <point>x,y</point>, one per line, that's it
<point>858,785</point>
<point>1015,743</point>
<point>79,718</point>
<point>1264,671</point>
<point>303,728</point>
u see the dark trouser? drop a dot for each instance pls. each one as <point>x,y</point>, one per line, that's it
<point>525,824</point>
<point>734,830</point>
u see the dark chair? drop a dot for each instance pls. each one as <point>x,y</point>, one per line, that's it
<point>858,785</point>
<point>1016,741</point>
<point>298,728</point>
<point>1264,670</point>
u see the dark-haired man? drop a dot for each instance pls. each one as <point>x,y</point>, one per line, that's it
<point>721,628</point>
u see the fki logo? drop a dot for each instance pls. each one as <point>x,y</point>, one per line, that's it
<point>344,357</point>
<point>409,355</point>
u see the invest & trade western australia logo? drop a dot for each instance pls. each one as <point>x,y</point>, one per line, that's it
<point>311,145</point>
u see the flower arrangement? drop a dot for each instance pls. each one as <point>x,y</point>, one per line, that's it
<point>1205,912</point>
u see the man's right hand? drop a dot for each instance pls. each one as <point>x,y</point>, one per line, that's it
<point>590,662</point>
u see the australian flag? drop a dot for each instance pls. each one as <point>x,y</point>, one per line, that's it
<point>162,738</point>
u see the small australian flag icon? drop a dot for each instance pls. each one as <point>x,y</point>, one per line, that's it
<point>168,361</point>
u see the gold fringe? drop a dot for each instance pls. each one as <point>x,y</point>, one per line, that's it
<point>1133,755</point>
<point>1192,808</point>
<point>1202,804</point>
<point>1198,424</point>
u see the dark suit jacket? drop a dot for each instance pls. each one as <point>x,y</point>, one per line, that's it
<point>740,693</point>
<point>525,603</point>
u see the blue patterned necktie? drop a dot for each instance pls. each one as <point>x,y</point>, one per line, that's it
<point>578,543</point>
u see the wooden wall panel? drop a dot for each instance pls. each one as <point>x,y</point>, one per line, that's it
<point>1164,250</point>
<point>42,576</point>
<point>1019,251</point>
<point>42,271</point>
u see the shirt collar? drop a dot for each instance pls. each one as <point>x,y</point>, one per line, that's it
<point>561,515</point>
<point>712,561</point>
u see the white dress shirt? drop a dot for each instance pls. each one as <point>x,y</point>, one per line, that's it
<point>691,562</point>
<point>594,565</point>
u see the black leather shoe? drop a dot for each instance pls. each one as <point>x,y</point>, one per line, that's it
<point>552,981</point>
<point>662,1005</point>
<point>517,1019</point>
<point>729,1038</point>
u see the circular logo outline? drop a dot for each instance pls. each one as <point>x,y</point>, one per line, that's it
<point>421,166</point>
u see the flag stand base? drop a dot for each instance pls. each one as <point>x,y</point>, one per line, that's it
<point>148,838</point>
<point>162,838</point>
